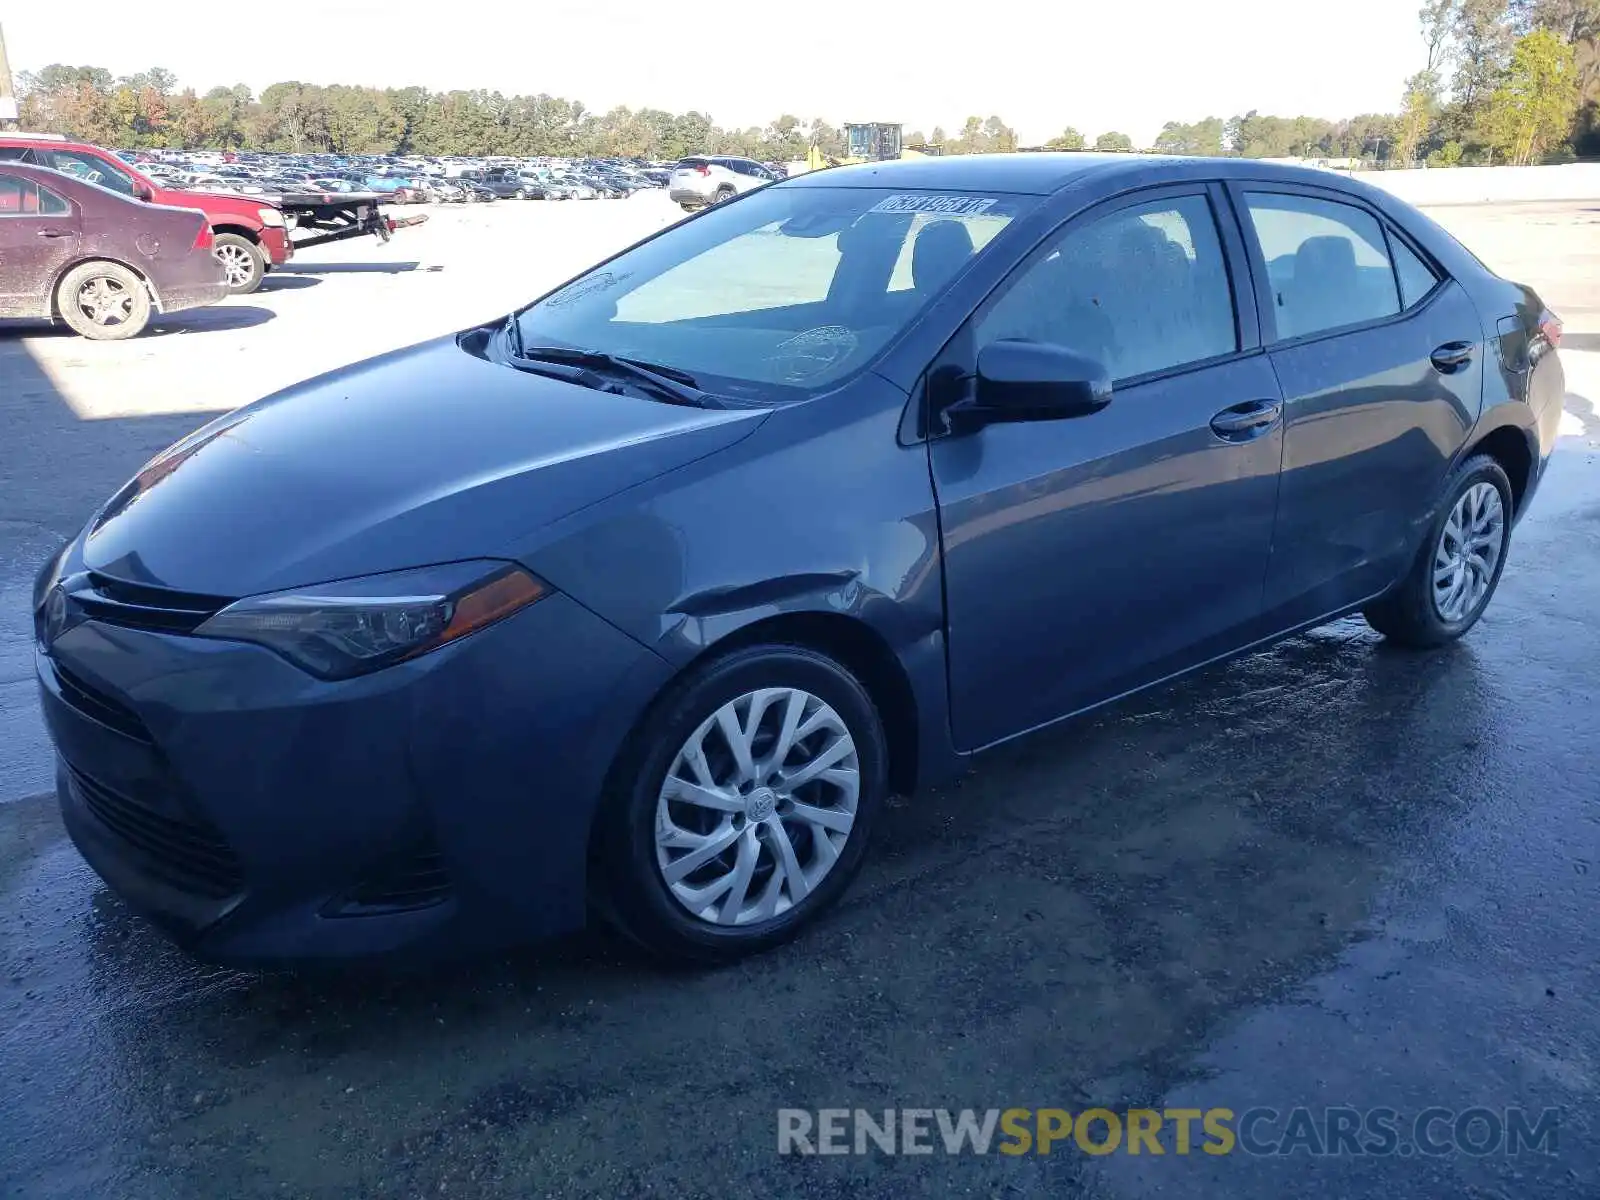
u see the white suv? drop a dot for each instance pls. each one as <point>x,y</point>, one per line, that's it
<point>711,178</point>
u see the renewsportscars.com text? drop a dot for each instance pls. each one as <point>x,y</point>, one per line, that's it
<point>1215,1131</point>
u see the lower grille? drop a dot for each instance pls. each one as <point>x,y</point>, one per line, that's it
<point>416,879</point>
<point>185,852</point>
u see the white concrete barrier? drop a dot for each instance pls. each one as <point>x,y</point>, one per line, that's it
<point>1481,185</point>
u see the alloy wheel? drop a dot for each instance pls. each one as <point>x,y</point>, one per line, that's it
<point>757,806</point>
<point>105,301</point>
<point>1468,551</point>
<point>236,264</point>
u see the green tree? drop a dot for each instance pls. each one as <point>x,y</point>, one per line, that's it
<point>1419,108</point>
<point>1531,111</point>
<point>1113,141</point>
<point>1203,137</point>
<point>1483,35</point>
<point>1068,139</point>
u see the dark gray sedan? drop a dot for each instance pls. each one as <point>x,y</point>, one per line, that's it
<point>643,599</point>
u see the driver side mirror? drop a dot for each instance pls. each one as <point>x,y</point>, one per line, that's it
<point>1020,380</point>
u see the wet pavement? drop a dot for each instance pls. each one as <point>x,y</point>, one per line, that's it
<point>1332,874</point>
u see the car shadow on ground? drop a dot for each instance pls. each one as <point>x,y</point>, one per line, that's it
<point>350,268</point>
<point>212,318</point>
<point>279,281</point>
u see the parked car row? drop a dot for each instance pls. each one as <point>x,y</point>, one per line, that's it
<point>71,204</point>
<point>79,204</point>
<point>415,179</point>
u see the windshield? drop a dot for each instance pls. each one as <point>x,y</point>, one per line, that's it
<point>790,287</point>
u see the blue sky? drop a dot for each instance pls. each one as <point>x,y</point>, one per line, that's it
<point>1095,66</point>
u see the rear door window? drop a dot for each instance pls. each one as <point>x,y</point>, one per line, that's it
<point>52,205</point>
<point>1327,263</point>
<point>1416,277</point>
<point>19,197</point>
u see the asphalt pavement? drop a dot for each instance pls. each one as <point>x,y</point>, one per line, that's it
<point>1332,876</point>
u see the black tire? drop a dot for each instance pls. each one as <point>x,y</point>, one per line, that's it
<point>1408,614</point>
<point>631,890</point>
<point>689,208</point>
<point>120,309</point>
<point>243,262</point>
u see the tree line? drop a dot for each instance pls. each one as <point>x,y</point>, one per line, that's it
<point>1500,81</point>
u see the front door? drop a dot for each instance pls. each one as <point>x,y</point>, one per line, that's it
<point>39,232</point>
<point>1087,557</point>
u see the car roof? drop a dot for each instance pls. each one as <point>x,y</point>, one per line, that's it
<point>1045,173</point>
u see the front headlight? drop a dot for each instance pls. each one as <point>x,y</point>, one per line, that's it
<point>271,216</point>
<point>339,630</point>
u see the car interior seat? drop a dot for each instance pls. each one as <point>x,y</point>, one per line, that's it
<point>942,248</point>
<point>1325,291</point>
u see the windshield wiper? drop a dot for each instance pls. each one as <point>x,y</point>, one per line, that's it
<point>668,383</point>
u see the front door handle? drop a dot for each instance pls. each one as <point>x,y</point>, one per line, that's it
<point>1451,357</point>
<point>1241,422</point>
<point>55,233</point>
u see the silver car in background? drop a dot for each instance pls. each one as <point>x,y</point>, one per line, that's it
<point>711,178</point>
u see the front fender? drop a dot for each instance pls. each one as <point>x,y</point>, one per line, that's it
<point>819,512</point>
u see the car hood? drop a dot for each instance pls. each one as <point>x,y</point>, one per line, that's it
<point>238,201</point>
<point>424,455</point>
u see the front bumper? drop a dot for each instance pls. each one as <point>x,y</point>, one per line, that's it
<point>261,816</point>
<point>277,245</point>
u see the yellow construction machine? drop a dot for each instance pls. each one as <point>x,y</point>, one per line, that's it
<point>873,141</point>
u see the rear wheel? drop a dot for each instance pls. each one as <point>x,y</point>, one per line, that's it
<point>1458,568</point>
<point>242,263</point>
<point>746,806</point>
<point>103,301</point>
<point>723,193</point>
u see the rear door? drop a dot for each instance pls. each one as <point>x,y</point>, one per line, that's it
<point>40,231</point>
<point>1380,356</point>
<point>1087,557</point>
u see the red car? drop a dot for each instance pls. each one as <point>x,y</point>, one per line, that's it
<point>98,261</point>
<point>251,234</point>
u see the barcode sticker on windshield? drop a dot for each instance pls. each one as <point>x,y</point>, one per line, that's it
<point>952,206</point>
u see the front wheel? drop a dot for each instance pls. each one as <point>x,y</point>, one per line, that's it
<point>242,263</point>
<point>745,807</point>
<point>103,301</point>
<point>1458,568</point>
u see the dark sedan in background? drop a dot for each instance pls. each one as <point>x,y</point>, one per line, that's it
<point>643,599</point>
<point>100,262</point>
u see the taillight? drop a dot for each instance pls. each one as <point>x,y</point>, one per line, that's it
<point>203,240</point>
<point>702,169</point>
<point>1550,328</point>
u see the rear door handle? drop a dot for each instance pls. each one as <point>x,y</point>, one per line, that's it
<point>1451,357</point>
<point>1244,421</point>
<point>55,233</point>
